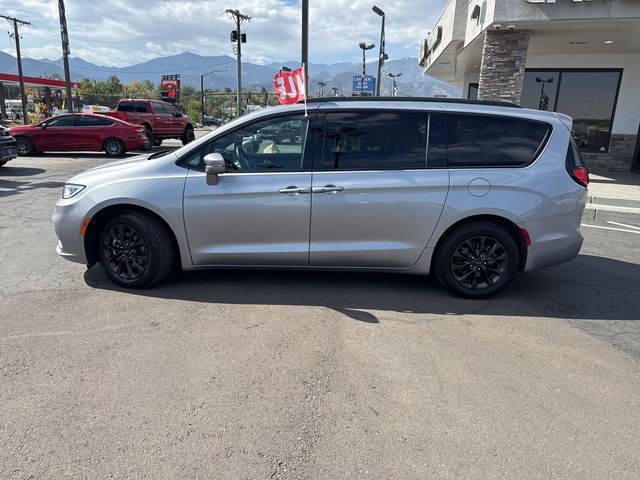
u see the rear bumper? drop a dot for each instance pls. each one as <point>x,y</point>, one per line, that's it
<point>553,240</point>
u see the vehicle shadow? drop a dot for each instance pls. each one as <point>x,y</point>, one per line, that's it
<point>12,187</point>
<point>10,171</point>
<point>587,288</point>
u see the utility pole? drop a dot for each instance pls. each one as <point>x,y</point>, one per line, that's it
<point>322,84</point>
<point>23,96</point>
<point>240,38</point>
<point>65,54</point>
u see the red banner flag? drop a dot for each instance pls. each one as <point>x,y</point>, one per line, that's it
<point>290,86</point>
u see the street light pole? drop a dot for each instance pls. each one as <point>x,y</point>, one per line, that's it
<point>394,87</point>
<point>540,80</point>
<point>202,90</point>
<point>322,84</point>
<point>382,55</point>
<point>364,46</point>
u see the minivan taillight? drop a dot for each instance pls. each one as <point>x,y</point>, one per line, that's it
<point>580,175</point>
<point>576,168</point>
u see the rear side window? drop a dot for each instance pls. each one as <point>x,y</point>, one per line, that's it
<point>90,121</point>
<point>373,141</point>
<point>492,141</point>
<point>138,107</point>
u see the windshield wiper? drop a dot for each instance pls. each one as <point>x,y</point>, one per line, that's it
<point>161,153</point>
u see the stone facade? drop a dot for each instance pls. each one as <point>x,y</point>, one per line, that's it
<point>504,55</point>
<point>619,158</point>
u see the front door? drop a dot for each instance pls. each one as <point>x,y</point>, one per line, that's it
<point>374,202</point>
<point>58,134</point>
<point>258,213</point>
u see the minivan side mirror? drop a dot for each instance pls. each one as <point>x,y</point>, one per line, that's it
<point>214,165</point>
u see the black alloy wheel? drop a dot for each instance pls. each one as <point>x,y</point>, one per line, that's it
<point>135,250</point>
<point>125,252</point>
<point>477,260</point>
<point>113,147</point>
<point>24,147</point>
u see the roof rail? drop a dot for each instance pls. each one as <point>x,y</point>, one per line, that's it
<point>493,103</point>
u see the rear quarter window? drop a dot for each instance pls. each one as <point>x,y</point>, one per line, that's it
<point>493,141</point>
<point>137,107</point>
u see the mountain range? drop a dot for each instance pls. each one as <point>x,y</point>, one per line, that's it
<point>191,66</point>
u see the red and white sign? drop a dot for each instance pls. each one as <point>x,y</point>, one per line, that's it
<point>290,86</point>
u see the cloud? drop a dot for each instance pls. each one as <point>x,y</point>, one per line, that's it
<point>124,32</point>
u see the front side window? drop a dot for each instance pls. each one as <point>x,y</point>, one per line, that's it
<point>272,145</point>
<point>373,141</point>
<point>61,122</point>
<point>492,141</point>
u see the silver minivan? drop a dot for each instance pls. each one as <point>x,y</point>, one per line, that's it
<point>472,191</point>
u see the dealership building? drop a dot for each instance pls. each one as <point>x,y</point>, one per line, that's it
<point>578,57</point>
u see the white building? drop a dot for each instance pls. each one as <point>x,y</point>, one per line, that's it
<point>579,57</point>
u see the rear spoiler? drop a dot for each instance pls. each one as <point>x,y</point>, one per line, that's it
<point>565,119</point>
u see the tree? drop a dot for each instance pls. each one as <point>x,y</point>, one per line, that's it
<point>138,89</point>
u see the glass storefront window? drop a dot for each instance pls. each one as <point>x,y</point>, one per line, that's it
<point>588,96</point>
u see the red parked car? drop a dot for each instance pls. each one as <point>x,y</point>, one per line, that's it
<point>78,132</point>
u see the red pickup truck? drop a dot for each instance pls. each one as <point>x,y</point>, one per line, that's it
<point>160,119</point>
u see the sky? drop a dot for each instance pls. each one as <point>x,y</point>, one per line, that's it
<point>120,33</point>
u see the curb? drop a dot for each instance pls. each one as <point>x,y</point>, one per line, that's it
<point>609,212</point>
<point>601,202</point>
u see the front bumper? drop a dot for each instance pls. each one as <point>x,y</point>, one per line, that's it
<point>67,219</point>
<point>8,152</point>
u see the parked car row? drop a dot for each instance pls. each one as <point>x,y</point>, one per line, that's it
<point>135,125</point>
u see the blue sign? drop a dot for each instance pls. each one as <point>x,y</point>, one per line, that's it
<point>368,88</point>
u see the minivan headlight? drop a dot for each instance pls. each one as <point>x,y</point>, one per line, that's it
<point>71,190</point>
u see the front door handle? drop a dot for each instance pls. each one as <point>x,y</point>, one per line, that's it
<point>293,190</point>
<point>328,189</point>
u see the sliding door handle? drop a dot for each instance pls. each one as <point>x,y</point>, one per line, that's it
<point>293,190</point>
<point>328,189</point>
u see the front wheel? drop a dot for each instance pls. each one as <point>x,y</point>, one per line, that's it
<point>25,147</point>
<point>188,136</point>
<point>136,250</point>
<point>113,147</point>
<point>477,260</point>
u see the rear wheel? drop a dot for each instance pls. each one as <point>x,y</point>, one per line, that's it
<point>135,250</point>
<point>150,138</point>
<point>25,147</point>
<point>188,136</point>
<point>477,260</point>
<point>113,147</point>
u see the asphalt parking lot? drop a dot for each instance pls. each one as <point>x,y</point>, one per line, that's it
<point>250,375</point>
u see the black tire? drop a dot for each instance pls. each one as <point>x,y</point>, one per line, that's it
<point>150,139</point>
<point>157,142</point>
<point>188,136</point>
<point>25,147</point>
<point>476,260</point>
<point>113,147</point>
<point>135,250</point>
<point>3,162</point>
